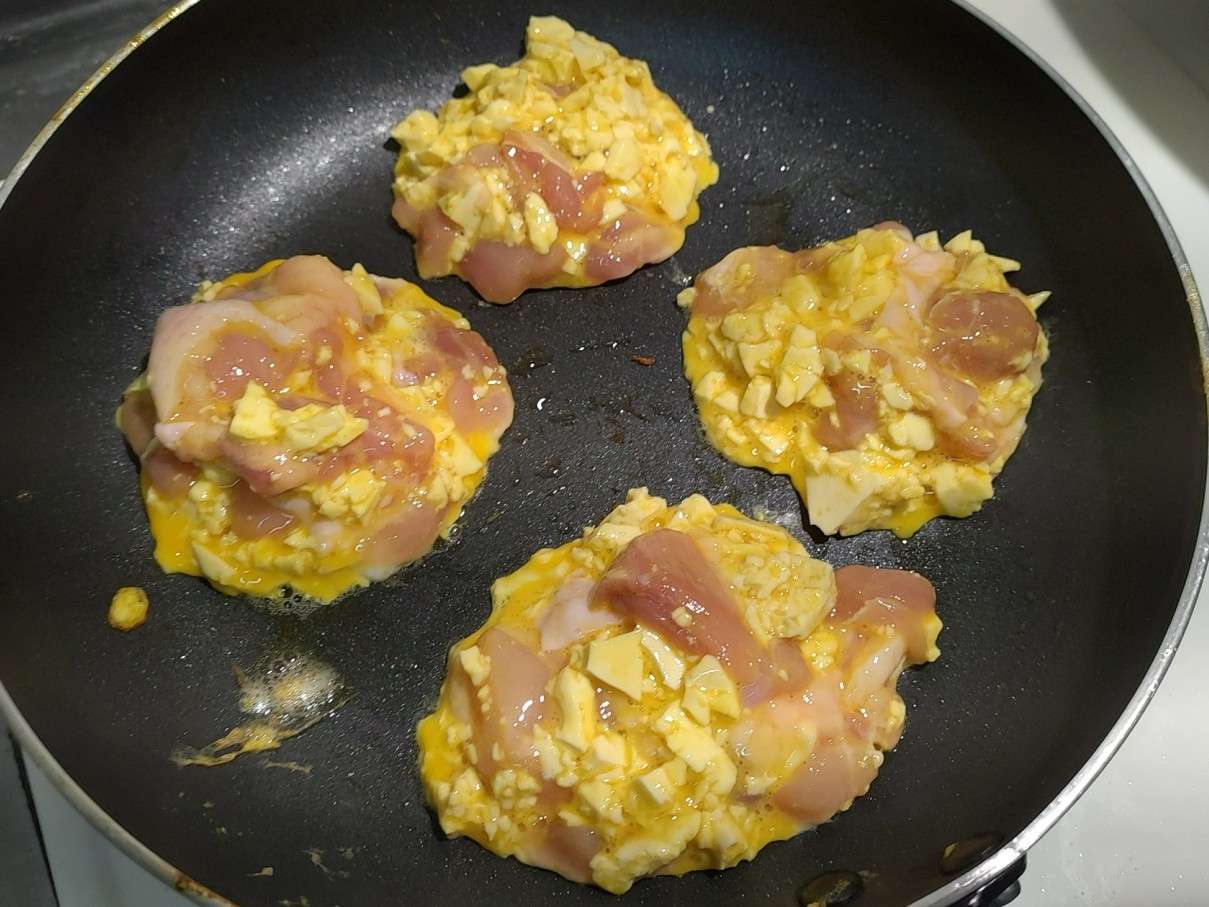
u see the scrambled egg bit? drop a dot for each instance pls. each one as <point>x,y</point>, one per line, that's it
<point>566,168</point>
<point>306,428</point>
<point>670,692</point>
<point>887,375</point>
<point>128,609</point>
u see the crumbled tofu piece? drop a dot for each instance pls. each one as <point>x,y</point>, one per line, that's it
<point>602,799</point>
<point>623,160</point>
<point>669,665</point>
<point>254,411</point>
<point>757,398</point>
<point>618,662</point>
<point>212,566</point>
<point>606,753</point>
<point>577,704</point>
<point>543,229</point>
<point>960,489</point>
<point>310,428</point>
<point>677,185</point>
<point>800,367</point>
<point>476,665</point>
<point>661,783</point>
<point>707,687</point>
<point>367,293</point>
<point>355,492</point>
<point>757,358</point>
<point>896,396</point>
<point>644,854</point>
<point>832,499</point>
<point>912,430</point>
<point>700,752</point>
<point>315,428</point>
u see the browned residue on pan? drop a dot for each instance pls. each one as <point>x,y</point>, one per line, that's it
<point>190,888</point>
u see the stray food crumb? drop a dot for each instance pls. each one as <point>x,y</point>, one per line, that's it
<point>128,608</point>
<point>643,360</point>
<point>266,871</point>
<point>290,766</point>
<point>316,856</point>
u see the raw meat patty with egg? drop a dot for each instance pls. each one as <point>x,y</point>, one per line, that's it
<point>310,429</point>
<point>566,168</point>
<point>888,376</point>
<point>673,691</point>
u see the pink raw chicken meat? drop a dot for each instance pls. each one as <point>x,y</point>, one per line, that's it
<point>663,571</point>
<point>847,707</point>
<point>518,701</point>
<point>895,598</point>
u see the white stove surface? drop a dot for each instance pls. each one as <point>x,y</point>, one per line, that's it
<point>1138,835</point>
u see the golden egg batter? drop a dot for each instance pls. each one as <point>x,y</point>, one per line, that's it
<point>128,608</point>
<point>566,168</point>
<point>309,429</point>
<point>888,376</point>
<point>670,692</point>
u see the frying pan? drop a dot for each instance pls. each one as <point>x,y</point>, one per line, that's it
<point>240,132</point>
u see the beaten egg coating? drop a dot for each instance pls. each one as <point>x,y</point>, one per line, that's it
<point>887,375</point>
<point>310,429</point>
<point>670,692</point>
<point>566,168</point>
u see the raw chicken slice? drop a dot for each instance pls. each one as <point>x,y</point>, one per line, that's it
<point>899,599</point>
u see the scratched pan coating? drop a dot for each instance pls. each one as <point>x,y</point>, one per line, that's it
<point>245,131</point>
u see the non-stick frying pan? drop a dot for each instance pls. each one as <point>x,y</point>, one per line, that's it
<point>245,131</point>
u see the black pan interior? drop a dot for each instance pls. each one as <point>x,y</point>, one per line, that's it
<point>245,131</point>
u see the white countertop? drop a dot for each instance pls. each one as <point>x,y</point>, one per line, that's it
<point>1138,835</point>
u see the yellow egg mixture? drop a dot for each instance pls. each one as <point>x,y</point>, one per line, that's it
<point>644,741</point>
<point>760,375</point>
<point>128,608</point>
<point>193,532</point>
<point>597,108</point>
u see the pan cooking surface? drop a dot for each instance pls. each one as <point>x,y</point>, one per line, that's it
<point>243,132</point>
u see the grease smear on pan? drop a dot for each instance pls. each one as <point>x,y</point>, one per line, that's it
<point>282,697</point>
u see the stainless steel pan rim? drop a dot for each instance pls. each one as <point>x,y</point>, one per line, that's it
<point>1010,852</point>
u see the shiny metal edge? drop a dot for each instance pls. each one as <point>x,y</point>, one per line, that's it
<point>975,878</point>
<point>131,45</point>
<point>1075,788</point>
<point>30,743</point>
